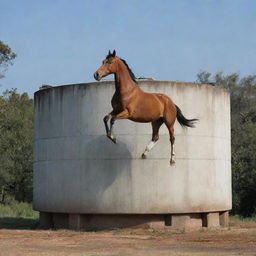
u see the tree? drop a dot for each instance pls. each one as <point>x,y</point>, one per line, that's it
<point>16,132</point>
<point>243,137</point>
<point>6,57</point>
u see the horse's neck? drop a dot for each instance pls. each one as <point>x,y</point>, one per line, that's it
<point>123,82</point>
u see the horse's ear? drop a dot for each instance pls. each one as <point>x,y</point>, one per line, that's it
<point>109,52</point>
<point>114,53</point>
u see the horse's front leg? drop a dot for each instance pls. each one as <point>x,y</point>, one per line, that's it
<point>109,130</point>
<point>105,119</point>
<point>110,133</point>
<point>122,115</point>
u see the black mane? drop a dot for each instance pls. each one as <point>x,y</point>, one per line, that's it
<point>133,77</point>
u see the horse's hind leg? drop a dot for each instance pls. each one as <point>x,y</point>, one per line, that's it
<point>155,136</point>
<point>169,120</point>
<point>172,140</point>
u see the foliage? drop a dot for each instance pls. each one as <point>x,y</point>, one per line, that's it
<point>18,210</point>
<point>16,132</point>
<point>238,218</point>
<point>6,57</point>
<point>243,137</point>
<point>18,215</point>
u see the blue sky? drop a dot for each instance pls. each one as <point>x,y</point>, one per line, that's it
<point>61,42</point>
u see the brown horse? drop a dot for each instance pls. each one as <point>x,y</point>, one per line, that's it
<point>131,102</point>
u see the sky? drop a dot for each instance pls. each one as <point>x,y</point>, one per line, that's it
<point>64,42</point>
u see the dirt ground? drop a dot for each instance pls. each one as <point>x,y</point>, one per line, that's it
<point>238,239</point>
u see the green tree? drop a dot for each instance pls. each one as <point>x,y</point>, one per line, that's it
<point>243,137</point>
<point>16,132</point>
<point>6,57</point>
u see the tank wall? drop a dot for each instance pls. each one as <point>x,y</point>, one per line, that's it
<point>78,170</point>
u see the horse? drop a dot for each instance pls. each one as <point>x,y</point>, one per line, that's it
<point>131,102</point>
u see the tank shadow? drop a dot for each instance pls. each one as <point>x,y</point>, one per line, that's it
<point>105,171</point>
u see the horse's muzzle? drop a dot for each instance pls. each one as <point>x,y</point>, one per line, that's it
<point>97,76</point>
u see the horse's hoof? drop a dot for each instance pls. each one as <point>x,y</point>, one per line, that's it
<point>112,138</point>
<point>143,156</point>
<point>172,162</point>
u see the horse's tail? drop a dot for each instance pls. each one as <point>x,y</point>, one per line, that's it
<point>183,120</point>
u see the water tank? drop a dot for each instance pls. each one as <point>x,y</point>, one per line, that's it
<point>84,181</point>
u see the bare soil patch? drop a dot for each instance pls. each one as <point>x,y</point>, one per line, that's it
<point>238,239</point>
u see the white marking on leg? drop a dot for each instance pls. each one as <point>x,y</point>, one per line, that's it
<point>150,145</point>
<point>172,156</point>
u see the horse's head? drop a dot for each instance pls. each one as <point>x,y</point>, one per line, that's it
<point>109,66</point>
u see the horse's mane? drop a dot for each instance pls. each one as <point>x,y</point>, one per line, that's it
<point>133,77</point>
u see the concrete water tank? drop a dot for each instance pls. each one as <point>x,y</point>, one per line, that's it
<point>84,181</point>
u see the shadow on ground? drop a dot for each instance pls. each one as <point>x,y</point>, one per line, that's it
<point>18,223</point>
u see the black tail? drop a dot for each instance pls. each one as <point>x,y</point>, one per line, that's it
<point>183,120</point>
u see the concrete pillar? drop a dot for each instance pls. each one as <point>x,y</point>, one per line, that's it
<point>186,220</point>
<point>224,218</point>
<point>180,220</point>
<point>74,221</point>
<point>45,220</point>
<point>160,224</point>
<point>211,219</point>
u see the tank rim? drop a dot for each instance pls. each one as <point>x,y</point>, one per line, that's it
<point>140,81</point>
